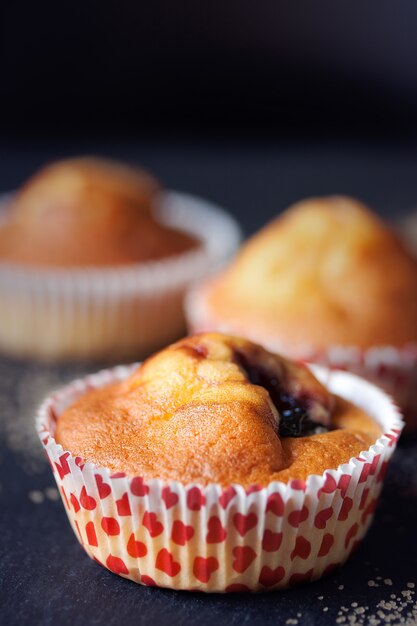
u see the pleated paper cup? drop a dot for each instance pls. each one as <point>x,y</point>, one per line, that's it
<point>216,539</point>
<point>120,312</point>
<point>392,368</point>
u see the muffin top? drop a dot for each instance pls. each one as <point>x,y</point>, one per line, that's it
<point>215,408</point>
<point>326,272</point>
<point>86,212</point>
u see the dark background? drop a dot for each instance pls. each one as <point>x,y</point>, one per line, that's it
<point>251,104</point>
<point>270,68</point>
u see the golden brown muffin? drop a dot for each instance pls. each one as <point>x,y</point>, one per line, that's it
<point>327,272</point>
<point>214,408</point>
<point>87,212</point>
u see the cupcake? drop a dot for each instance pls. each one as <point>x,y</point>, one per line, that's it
<point>326,282</point>
<point>407,229</point>
<point>219,466</point>
<point>95,259</point>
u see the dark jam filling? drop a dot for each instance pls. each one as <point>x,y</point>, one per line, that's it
<point>294,414</point>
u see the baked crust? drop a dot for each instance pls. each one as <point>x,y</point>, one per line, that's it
<point>88,212</point>
<point>326,272</point>
<point>193,413</point>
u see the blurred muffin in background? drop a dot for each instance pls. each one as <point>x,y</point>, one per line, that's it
<point>88,212</point>
<point>407,229</point>
<point>95,259</point>
<point>327,282</point>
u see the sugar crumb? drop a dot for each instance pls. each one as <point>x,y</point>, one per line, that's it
<point>52,493</point>
<point>36,497</point>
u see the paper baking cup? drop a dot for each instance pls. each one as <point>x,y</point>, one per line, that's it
<point>209,538</point>
<point>113,312</point>
<point>391,368</point>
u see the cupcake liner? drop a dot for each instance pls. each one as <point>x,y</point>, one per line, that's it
<point>214,539</point>
<point>394,369</point>
<point>118,311</point>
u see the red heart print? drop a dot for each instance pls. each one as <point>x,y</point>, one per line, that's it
<point>374,464</point>
<point>79,462</point>
<point>364,498</point>
<point>329,486</point>
<point>249,490</point>
<point>169,497</point>
<point>366,470</point>
<point>227,496</point>
<point>369,510</point>
<point>123,506</point>
<point>63,467</point>
<point>298,485</point>
<point>181,533</point>
<point>296,517</point>
<point>90,531</point>
<point>343,484</point>
<point>116,565</point>
<point>110,525</point>
<point>195,499</point>
<point>296,579</point>
<point>216,533</point>
<point>204,568</point>
<point>86,501</point>
<point>271,542</point>
<point>392,438</point>
<point>165,562</point>
<point>138,487</point>
<point>350,534</point>
<point>345,509</point>
<point>322,517</point>
<point>243,557</point>
<point>151,523</point>
<point>244,523</point>
<point>275,504</point>
<point>136,549</point>
<point>302,548</point>
<point>237,588</point>
<point>326,544</point>
<point>75,503</point>
<point>148,581</point>
<point>64,497</point>
<point>79,532</point>
<point>270,577</point>
<point>103,488</point>
<point>382,471</point>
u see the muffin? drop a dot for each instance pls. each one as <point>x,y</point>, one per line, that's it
<point>88,212</point>
<point>95,259</point>
<point>406,226</point>
<point>219,466</point>
<point>326,282</point>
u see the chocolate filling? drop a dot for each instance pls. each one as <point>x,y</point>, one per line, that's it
<point>294,414</point>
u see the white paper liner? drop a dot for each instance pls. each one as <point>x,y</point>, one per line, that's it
<point>192,537</point>
<point>113,312</point>
<point>392,368</point>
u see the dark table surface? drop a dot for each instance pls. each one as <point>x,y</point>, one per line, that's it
<point>45,577</point>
